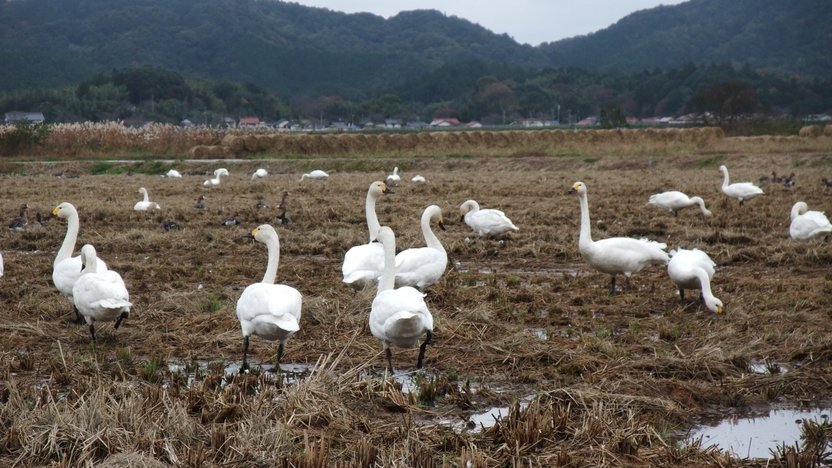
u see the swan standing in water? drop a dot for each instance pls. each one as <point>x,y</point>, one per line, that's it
<point>145,204</point>
<point>270,311</point>
<point>616,255</point>
<point>99,295</point>
<point>675,201</point>
<point>393,179</point>
<point>363,264</point>
<point>67,269</point>
<point>694,269</point>
<point>741,190</point>
<point>398,316</point>
<point>487,222</point>
<point>808,225</point>
<point>316,175</point>
<point>423,266</point>
<point>259,174</point>
<point>216,180</point>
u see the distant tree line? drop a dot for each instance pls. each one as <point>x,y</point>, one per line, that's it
<point>471,90</point>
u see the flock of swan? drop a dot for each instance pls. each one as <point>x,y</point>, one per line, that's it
<point>399,315</point>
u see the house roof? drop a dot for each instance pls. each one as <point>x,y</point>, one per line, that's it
<point>450,121</point>
<point>30,116</point>
<point>249,121</point>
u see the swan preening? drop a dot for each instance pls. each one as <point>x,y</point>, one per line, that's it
<point>808,225</point>
<point>674,201</point>
<point>99,295</point>
<point>418,178</point>
<point>145,204</point>
<point>270,311</point>
<point>423,266</point>
<point>487,222</point>
<point>316,175</point>
<point>398,316</point>
<point>17,224</point>
<point>67,269</point>
<point>259,173</point>
<point>394,179</point>
<point>216,180</point>
<point>741,190</point>
<point>364,263</point>
<point>616,255</point>
<point>693,269</point>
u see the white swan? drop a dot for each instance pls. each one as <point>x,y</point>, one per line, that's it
<point>808,225</point>
<point>363,264</point>
<point>173,174</point>
<point>694,269</point>
<point>616,255</point>
<point>394,179</point>
<point>398,316</point>
<point>316,174</point>
<point>424,266</point>
<point>99,295</point>
<point>270,311</point>
<point>216,180</point>
<point>259,174</point>
<point>67,269</point>
<point>486,222</point>
<point>1,265</point>
<point>145,204</point>
<point>418,178</point>
<point>675,201</point>
<point>741,191</point>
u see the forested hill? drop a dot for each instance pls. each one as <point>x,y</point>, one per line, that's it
<point>788,36</point>
<point>285,47</point>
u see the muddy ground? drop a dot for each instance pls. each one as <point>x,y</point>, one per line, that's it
<point>521,323</point>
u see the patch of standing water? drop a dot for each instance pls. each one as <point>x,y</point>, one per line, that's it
<point>763,367</point>
<point>756,437</point>
<point>482,421</point>
<point>291,371</point>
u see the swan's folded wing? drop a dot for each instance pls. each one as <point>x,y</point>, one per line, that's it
<point>363,260</point>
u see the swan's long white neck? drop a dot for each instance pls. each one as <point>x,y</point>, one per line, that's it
<point>388,277</point>
<point>705,284</point>
<point>725,181</point>
<point>372,220</point>
<point>430,237</point>
<point>273,245</point>
<point>146,198</point>
<point>701,203</point>
<point>585,240</point>
<point>90,262</point>
<point>69,240</point>
<point>395,171</point>
<point>797,210</point>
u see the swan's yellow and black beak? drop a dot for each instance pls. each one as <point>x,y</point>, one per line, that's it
<point>386,189</point>
<point>719,309</point>
<point>442,224</point>
<point>574,189</point>
<point>251,234</point>
<point>56,210</point>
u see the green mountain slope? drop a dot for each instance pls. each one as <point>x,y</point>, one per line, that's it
<point>789,36</point>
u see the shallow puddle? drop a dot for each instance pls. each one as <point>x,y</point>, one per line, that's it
<point>756,437</point>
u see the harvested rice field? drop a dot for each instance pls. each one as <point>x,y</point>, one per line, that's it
<point>531,362</point>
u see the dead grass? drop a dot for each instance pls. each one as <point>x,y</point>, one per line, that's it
<point>602,381</point>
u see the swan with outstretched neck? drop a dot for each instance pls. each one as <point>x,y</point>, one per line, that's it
<point>616,255</point>
<point>363,264</point>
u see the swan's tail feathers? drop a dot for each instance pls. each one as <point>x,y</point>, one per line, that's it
<point>287,322</point>
<point>659,245</point>
<point>112,303</point>
<point>657,253</point>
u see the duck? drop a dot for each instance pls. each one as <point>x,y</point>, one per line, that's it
<point>316,175</point>
<point>675,201</point>
<point>39,221</point>
<point>694,269</point>
<point>826,183</point>
<point>808,225</point>
<point>270,311</point>
<point>488,222</point>
<point>67,269</point>
<point>615,255</point>
<point>145,204</point>
<point>789,181</point>
<point>393,179</point>
<point>281,208</point>
<point>17,224</point>
<point>363,264</point>
<point>259,174</point>
<point>99,295</point>
<point>418,178</point>
<point>421,267</point>
<point>260,205</point>
<point>232,221</point>
<point>741,191</point>
<point>398,316</point>
<point>775,178</point>
<point>200,203</point>
<point>169,224</point>
<point>216,180</point>
<point>173,174</point>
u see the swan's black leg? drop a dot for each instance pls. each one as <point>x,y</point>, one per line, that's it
<point>421,359</point>
<point>79,319</point>
<point>682,296</point>
<point>612,286</point>
<point>389,360</point>
<point>676,213</point>
<point>741,201</point>
<point>92,332</point>
<point>121,317</point>
<point>244,366</point>
<point>627,284</point>
<point>279,353</point>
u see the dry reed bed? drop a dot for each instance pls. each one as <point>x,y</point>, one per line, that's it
<point>605,378</point>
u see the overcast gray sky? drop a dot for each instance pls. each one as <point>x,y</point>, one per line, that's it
<point>527,21</point>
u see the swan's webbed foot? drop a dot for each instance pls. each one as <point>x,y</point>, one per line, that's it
<point>421,360</point>
<point>121,317</point>
<point>389,361</point>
